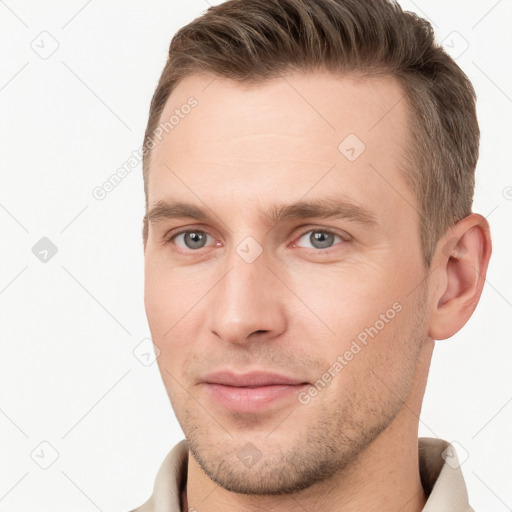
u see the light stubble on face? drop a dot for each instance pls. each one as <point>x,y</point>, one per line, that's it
<point>314,451</point>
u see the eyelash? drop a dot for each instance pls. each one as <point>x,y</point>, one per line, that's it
<point>169,238</point>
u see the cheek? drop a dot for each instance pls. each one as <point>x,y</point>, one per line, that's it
<point>346,301</point>
<point>374,366</point>
<point>172,300</point>
<point>361,323</point>
<point>159,303</point>
<point>167,296</point>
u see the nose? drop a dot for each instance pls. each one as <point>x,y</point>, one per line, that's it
<point>248,303</point>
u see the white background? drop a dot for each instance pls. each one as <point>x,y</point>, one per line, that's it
<point>70,325</point>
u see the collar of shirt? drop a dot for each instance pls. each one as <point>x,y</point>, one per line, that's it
<point>440,474</point>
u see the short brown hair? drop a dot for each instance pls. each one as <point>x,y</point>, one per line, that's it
<point>252,41</point>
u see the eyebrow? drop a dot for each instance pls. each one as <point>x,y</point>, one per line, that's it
<point>326,208</point>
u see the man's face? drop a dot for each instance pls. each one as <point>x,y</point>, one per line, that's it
<point>239,292</point>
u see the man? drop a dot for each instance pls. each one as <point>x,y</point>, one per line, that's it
<point>309,174</point>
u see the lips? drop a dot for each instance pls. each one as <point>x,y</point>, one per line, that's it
<point>251,392</point>
<point>251,379</point>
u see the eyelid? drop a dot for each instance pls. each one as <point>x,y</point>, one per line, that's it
<point>326,229</point>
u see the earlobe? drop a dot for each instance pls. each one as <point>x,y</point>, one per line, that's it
<point>462,258</point>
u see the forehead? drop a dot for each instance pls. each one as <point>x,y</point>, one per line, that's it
<point>286,136</point>
<point>309,106</point>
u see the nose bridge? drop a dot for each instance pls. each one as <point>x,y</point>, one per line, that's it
<point>247,298</point>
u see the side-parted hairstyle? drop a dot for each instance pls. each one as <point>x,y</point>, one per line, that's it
<point>253,41</point>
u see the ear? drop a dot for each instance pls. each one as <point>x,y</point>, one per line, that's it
<point>460,262</point>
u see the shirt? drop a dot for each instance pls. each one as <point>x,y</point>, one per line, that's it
<point>440,474</point>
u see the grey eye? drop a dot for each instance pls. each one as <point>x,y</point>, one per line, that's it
<point>319,239</point>
<point>192,239</point>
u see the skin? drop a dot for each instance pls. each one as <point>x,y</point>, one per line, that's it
<point>296,307</point>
